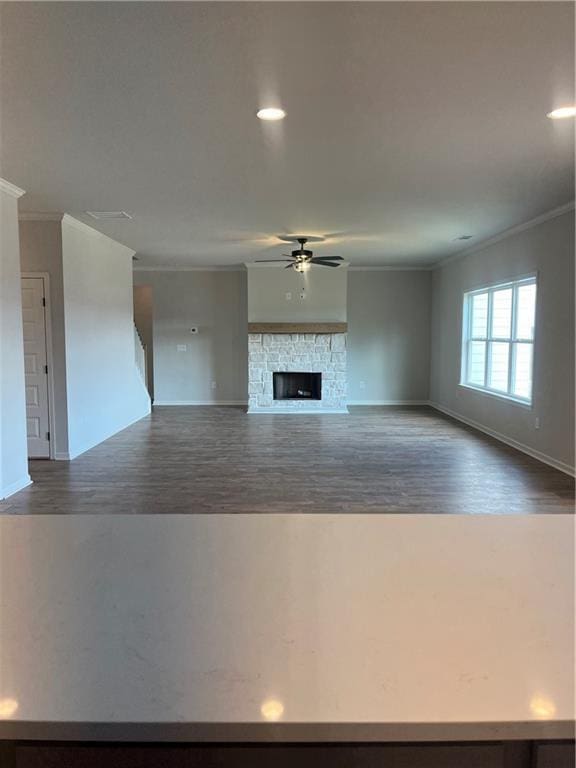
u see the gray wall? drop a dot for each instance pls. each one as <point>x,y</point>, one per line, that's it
<point>324,291</point>
<point>388,335</point>
<point>105,390</point>
<point>548,249</point>
<point>388,340</point>
<point>216,303</point>
<point>41,251</point>
<point>13,444</point>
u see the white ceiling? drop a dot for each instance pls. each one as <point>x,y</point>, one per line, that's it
<point>408,124</point>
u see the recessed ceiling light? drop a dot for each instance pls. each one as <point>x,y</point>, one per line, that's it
<point>562,112</point>
<point>271,113</point>
<point>465,237</point>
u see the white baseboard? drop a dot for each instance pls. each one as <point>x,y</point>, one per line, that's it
<point>543,457</point>
<point>201,402</point>
<point>61,456</point>
<point>295,411</point>
<point>388,402</point>
<point>10,490</point>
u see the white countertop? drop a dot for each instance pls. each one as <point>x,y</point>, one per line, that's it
<point>286,627</point>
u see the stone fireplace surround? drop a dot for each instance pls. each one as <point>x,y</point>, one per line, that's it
<point>323,353</point>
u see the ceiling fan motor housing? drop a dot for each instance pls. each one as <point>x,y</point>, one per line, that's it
<point>302,252</point>
<point>303,256</point>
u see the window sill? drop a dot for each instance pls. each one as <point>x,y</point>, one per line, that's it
<point>499,396</point>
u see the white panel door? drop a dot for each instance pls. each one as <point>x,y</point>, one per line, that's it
<point>35,367</point>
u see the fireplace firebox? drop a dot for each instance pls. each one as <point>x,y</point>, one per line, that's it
<point>297,386</point>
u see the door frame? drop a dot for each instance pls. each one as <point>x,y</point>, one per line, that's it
<point>45,276</point>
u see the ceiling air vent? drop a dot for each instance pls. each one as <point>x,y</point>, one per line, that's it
<point>108,215</point>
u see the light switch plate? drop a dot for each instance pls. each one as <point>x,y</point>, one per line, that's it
<point>180,347</point>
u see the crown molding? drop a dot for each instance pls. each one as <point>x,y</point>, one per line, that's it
<point>11,189</point>
<point>252,265</point>
<point>215,268</point>
<point>40,216</point>
<point>552,214</point>
<point>88,230</point>
<point>281,265</point>
<point>395,268</point>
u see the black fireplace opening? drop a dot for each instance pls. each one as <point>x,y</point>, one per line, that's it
<point>297,386</point>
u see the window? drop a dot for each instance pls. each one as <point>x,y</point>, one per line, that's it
<point>498,339</point>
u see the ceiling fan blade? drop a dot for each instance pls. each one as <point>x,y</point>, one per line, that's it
<point>329,258</point>
<point>269,261</point>
<point>322,263</point>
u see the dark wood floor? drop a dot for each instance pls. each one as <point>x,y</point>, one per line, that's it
<point>205,460</point>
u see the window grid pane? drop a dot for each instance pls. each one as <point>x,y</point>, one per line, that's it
<point>479,316</point>
<point>501,314</point>
<point>498,339</point>
<point>525,311</point>
<point>477,363</point>
<point>499,356</point>
<point>522,379</point>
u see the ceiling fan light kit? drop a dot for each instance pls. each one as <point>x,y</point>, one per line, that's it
<point>302,258</point>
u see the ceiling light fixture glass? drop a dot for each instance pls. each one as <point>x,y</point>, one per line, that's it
<point>272,709</point>
<point>562,112</point>
<point>271,114</point>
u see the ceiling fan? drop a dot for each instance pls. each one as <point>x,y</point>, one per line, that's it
<point>301,258</point>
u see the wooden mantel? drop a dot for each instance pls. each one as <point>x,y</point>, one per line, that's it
<point>297,327</point>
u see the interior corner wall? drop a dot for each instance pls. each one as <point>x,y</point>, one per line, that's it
<point>547,249</point>
<point>144,320</point>
<point>13,443</point>
<point>105,390</point>
<point>388,336</point>
<point>209,367</point>
<point>41,251</point>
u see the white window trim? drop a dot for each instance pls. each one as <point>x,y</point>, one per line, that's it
<point>511,340</point>
<point>499,395</point>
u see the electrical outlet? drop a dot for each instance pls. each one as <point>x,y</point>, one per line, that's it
<point>362,385</point>
<point>537,422</point>
<point>288,296</point>
<point>213,385</point>
<point>180,347</point>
